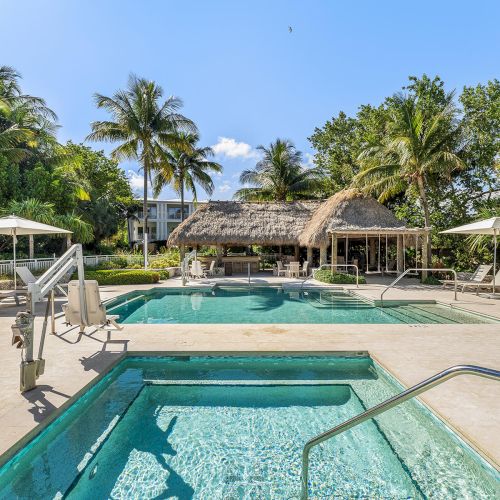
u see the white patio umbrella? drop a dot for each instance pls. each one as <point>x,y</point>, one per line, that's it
<point>17,226</point>
<point>487,226</point>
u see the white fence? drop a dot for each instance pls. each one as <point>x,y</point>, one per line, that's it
<point>34,265</point>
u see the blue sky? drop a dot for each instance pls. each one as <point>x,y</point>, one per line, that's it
<point>244,79</point>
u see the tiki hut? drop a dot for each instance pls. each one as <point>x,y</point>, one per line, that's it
<point>349,215</point>
<point>240,224</point>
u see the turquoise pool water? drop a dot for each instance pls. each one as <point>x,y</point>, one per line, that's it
<point>234,428</point>
<point>272,305</point>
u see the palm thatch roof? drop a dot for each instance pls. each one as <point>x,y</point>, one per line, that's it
<point>305,223</point>
<point>348,211</point>
<point>240,223</point>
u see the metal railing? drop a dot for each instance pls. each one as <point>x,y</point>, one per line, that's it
<point>410,393</point>
<point>418,269</point>
<point>331,266</point>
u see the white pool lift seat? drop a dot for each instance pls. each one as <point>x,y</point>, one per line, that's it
<point>96,311</point>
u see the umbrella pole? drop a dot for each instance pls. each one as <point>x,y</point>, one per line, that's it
<point>14,240</point>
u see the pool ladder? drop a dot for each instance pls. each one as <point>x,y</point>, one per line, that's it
<point>410,393</point>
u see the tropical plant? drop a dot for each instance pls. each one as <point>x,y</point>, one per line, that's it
<point>418,149</point>
<point>279,175</point>
<point>142,124</point>
<point>184,165</point>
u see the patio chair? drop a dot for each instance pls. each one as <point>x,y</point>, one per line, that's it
<point>96,310</point>
<point>196,270</point>
<point>211,270</point>
<point>484,285</point>
<point>477,277</point>
<point>303,271</point>
<point>294,270</point>
<point>280,270</point>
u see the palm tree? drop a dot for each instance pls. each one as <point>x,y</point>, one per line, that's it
<point>143,125</point>
<point>279,175</point>
<point>418,147</point>
<point>184,165</point>
<point>25,120</point>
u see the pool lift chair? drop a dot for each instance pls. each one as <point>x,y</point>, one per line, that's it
<point>23,336</point>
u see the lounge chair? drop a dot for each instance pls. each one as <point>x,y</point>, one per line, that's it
<point>96,310</point>
<point>484,285</point>
<point>28,277</point>
<point>280,270</point>
<point>303,271</point>
<point>477,277</point>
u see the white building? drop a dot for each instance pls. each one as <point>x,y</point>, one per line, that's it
<point>163,217</point>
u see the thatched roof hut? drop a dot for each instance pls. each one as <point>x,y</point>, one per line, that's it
<point>239,223</point>
<point>348,211</point>
<point>304,223</point>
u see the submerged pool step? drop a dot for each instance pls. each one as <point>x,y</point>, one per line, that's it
<point>242,382</point>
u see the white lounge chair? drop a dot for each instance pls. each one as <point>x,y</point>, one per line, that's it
<point>96,310</point>
<point>484,285</point>
<point>477,277</point>
<point>28,277</point>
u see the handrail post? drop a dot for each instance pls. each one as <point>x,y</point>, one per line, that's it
<point>396,400</point>
<point>419,269</point>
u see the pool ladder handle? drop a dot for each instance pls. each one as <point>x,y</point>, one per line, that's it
<point>410,393</point>
<point>331,266</point>
<point>419,269</point>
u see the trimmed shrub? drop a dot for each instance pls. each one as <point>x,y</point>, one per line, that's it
<point>431,280</point>
<point>112,264</point>
<point>326,276</point>
<point>122,277</point>
<point>164,274</point>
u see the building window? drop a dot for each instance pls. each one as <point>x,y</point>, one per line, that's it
<point>152,212</point>
<point>175,212</point>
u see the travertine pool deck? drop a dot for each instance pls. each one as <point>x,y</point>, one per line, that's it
<point>410,352</point>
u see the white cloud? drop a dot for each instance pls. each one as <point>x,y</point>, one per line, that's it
<point>231,148</point>
<point>310,160</point>
<point>136,181</point>
<point>226,186</point>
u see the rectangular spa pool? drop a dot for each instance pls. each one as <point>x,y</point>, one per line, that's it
<point>273,305</point>
<point>234,428</point>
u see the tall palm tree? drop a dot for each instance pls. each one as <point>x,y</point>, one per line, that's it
<point>25,121</point>
<point>279,175</point>
<point>418,147</point>
<point>185,165</point>
<point>143,125</point>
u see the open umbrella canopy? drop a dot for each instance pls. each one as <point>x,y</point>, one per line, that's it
<point>17,226</point>
<point>486,226</point>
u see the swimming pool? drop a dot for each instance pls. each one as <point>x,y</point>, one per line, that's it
<point>273,305</point>
<point>224,428</point>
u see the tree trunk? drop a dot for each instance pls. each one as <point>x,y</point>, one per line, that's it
<point>427,218</point>
<point>145,214</point>
<point>182,198</point>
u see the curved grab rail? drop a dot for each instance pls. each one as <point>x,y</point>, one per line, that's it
<point>419,269</point>
<point>410,393</point>
<point>331,266</point>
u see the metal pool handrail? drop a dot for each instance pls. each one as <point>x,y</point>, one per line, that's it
<point>419,269</point>
<point>410,393</point>
<point>332,266</point>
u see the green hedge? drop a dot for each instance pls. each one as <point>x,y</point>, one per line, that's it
<point>122,277</point>
<point>326,276</point>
